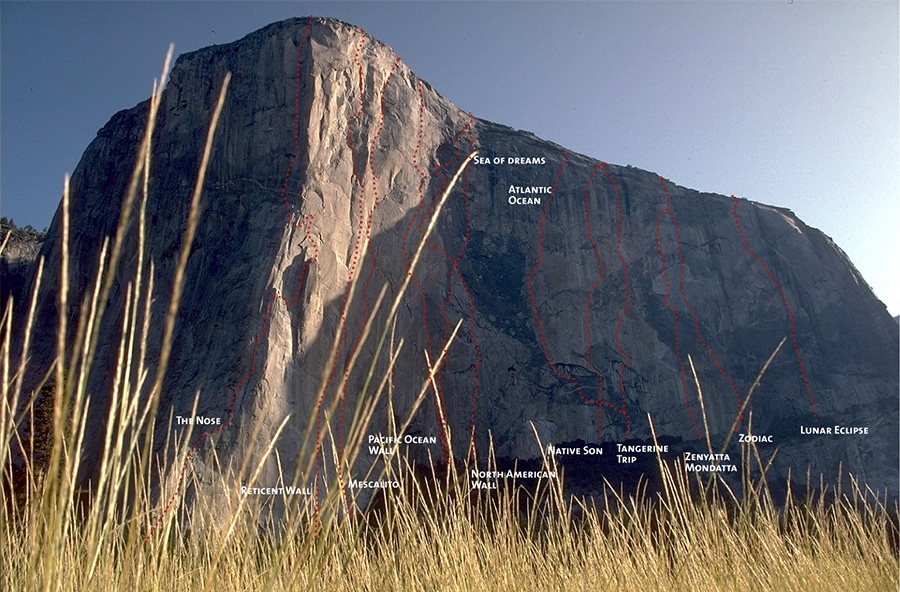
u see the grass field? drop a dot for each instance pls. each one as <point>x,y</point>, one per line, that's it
<point>431,534</point>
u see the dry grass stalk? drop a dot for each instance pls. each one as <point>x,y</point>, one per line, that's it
<point>433,534</point>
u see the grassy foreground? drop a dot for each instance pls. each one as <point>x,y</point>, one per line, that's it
<point>643,548</point>
<point>430,534</point>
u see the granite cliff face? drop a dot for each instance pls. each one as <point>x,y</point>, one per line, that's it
<point>582,286</point>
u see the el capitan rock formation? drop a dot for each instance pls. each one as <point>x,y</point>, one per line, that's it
<point>582,286</point>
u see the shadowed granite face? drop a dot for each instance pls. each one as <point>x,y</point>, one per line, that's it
<point>579,310</point>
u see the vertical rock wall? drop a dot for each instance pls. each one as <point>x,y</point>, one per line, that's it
<point>582,286</point>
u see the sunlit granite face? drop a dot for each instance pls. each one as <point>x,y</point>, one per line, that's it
<point>582,286</point>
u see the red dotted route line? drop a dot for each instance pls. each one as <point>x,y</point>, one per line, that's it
<point>626,359</point>
<point>703,344</point>
<point>305,223</point>
<point>356,61</point>
<point>436,246</point>
<point>662,261</point>
<point>786,306</point>
<point>600,402</point>
<point>367,305</point>
<point>405,247</point>
<point>352,268</point>
<point>421,214</point>
<point>422,181</point>
<point>362,237</point>
<point>530,285</point>
<point>454,271</point>
<point>587,307</point>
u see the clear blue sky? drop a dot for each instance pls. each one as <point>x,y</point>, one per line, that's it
<point>792,104</point>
